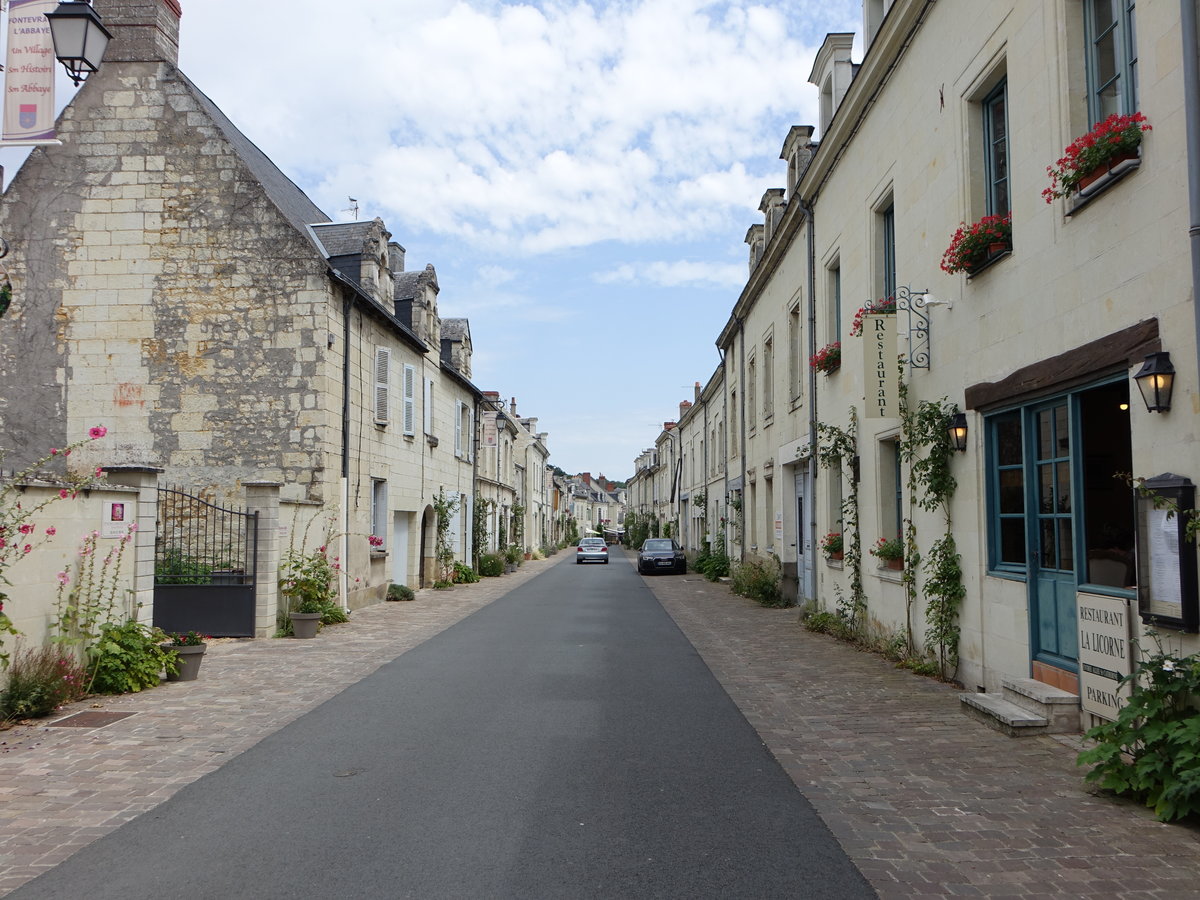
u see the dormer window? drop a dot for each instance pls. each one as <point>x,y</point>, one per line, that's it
<point>832,73</point>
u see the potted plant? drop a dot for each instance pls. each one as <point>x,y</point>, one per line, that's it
<point>189,653</point>
<point>973,245</point>
<point>890,551</point>
<point>376,543</point>
<point>1094,154</point>
<point>828,359</point>
<point>512,558</point>
<point>831,545</point>
<point>884,306</point>
<point>306,582</point>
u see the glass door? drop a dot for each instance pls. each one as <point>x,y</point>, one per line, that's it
<point>1052,550</point>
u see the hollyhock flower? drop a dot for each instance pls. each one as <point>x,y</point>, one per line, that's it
<point>97,431</point>
<point>51,530</point>
<point>63,578</point>
<point>25,528</point>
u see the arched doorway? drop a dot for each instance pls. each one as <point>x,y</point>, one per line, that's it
<point>428,550</point>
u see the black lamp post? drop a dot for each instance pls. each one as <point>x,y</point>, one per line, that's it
<point>79,38</point>
<point>1156,379</point>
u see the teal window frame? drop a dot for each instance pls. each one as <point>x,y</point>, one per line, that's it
<point>1112,46</point>
<point>995,142</point>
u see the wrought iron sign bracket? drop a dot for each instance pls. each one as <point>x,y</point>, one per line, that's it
<point>913,303</point>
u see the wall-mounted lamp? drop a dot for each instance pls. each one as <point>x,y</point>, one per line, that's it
<point>1155,380</point>
<point>958,432</point>
<point>79,38</point>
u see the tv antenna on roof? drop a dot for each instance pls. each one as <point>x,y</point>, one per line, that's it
<point>353,208</point>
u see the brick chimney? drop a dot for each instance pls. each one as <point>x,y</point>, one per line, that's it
<point>142,30</point>
<point>684,406</point>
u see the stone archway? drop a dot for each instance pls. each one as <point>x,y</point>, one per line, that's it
<point>428,548</point>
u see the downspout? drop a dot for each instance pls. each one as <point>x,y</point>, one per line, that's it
<point>810,227</point>
<point>348,297</point>
<point>1191,104</point>
<point>473,555</point>
<point>729,431</point>
<point>704,481</point>
<point>742,428</point>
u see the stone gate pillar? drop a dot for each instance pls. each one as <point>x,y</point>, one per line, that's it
<point>262,497</point>
<point>143,479</point>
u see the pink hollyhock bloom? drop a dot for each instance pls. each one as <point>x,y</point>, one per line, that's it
<point>63,578</point>
<point>97,431</point>
<point>51,530</point>
<point>25,528</point>
<point>62,493</point>
<point>26,548</point>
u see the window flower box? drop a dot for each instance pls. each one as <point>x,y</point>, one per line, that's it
<point>828,359</point>
<point>971,246</point>
<point>884,306</point>
<point>1110,144</point>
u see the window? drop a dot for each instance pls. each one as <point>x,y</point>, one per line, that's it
<point>995,149</point>
<point>795,369</point>
<point>891,490</point>
<point>410,401</point>
<point>733,417</point>
<point>378,508</point>
<point>768,375</point>
<point>383,374</point>
<point>833,302</point>
<point>1007,470</point>
<point>459,437</point>
<point>1111,57</point>
<point>751,382</point>
<point>885,275</point>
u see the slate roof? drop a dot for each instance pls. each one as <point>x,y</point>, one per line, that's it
<point>295,205</point>
<point>343,238</point>
<point>456,329</point>
<point>406,284</point>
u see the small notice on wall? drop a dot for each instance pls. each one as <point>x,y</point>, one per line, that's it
<point>1105,653</point>
<point>118,516</point>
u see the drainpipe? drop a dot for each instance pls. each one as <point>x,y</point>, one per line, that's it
<point>1191,103</point>
<point>348,297</point>
<point>810,486</point>
<point>729,431</point>
<point>742,428</point>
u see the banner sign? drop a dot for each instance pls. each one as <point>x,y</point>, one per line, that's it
<point>29,72</point>
<point>1105,653</point>
<point>490,434</point>
<point>882,375</point>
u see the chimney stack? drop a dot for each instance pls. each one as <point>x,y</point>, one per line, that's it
<point>142,30</point>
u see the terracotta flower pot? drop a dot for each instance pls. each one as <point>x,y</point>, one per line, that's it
<point>1090,178</point>
<point>837,554</point>
<point>997,248</point>
<point>895,564</point>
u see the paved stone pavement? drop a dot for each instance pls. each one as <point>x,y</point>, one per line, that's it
<point>926,801</point>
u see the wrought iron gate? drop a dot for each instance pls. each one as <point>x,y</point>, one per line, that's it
<point>204,566</point>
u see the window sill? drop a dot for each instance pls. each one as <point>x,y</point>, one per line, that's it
<point>1103,183</point>
<point>379,554</point>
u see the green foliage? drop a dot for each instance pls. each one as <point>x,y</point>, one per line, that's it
<point>759,580</point>
<point>87,592</point>
<point>173,566</point>
<point>128,658</point>
<point>464,574</point>
<point>1152,750</point>
<point>570,533</point>
<point>491,565</point>
<point>445,508</point>
<point>518,526</point>
<point>479,526</point>
<point>442,585</point>
<point>332,613</point>
<point>189,639</point>
<point>888,549</point>
<point>832,624</point>
<point>306,580</point>
<point>513,555</point>
<point>712,564</point>
<point>839,447</point>
<point>400,592</point>
<point>39,681</point>
<point>637,528</point>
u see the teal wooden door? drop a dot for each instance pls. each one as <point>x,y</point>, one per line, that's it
<point>1052,552</point>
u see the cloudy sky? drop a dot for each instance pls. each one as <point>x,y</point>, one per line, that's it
<point>581,175</point>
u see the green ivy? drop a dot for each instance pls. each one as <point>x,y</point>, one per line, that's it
<point>840,446</point>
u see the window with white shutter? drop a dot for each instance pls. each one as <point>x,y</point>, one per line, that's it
<point>428,406</point>
<point>410,399</point>
<point>383,371</point>
<point>458,429</point>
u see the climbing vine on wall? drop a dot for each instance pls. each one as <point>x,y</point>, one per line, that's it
<point>839,446</point>
<point>925,446</point>
<point>444,507</point>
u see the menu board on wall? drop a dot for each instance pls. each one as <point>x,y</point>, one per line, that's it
<point>1166,558</point>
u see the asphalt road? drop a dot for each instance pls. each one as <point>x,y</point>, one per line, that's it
<point>564,742</point>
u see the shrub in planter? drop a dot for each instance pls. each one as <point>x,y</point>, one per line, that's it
<point>464,574</point>
<point>491,565</point>
<point>513,555</point>
<point>39,681</point>
<point>400,592</point>
<point>759,581</point>
<point>128,657</point>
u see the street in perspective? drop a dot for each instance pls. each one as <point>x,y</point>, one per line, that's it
<point>586,732</point>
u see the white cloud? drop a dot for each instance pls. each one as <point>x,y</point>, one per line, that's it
<point>531,127</point>
<point>680,273</point>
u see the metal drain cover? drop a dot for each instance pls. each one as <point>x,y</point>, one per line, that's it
<point>94,719</point>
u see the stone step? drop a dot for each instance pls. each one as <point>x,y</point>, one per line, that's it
<point>1060,707</point>
<point>1003,715</point>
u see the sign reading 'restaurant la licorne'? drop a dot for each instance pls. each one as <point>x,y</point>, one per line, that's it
<point>29,72</point>
<point>1105,653</point>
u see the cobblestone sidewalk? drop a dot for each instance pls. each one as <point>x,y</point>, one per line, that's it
<point>927,802</point>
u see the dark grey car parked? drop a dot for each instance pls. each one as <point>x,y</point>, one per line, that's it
<point>661,555</point>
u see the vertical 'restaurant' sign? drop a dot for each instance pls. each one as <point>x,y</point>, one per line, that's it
<point>29,72</point>
<point>882,375</point>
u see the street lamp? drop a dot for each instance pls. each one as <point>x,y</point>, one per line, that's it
<point>79,38</point>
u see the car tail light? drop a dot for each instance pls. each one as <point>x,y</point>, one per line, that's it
<point>603,549</point>
<point>579,550</point>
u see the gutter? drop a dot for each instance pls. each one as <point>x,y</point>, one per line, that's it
<point>1191,104</point>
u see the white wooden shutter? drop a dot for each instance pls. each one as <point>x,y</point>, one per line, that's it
<point>458,435</point>
<point>410,399</point>
<point>383,370</point>
<point>428,406</point>
<point>471,435</point>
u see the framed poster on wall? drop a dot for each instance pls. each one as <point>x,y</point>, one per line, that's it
<point>1166,559</point>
